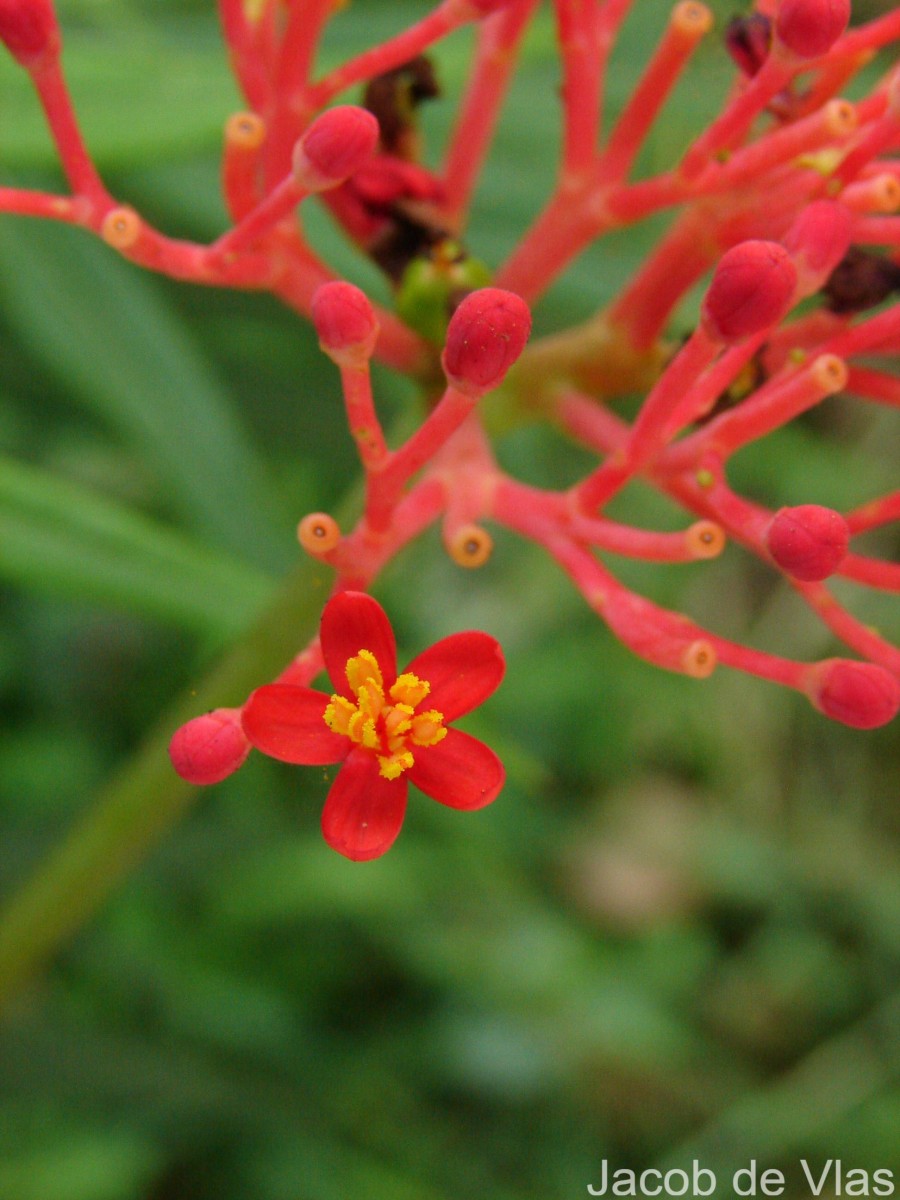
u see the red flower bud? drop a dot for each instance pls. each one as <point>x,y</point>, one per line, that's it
<point>811,27</point>
<point>486,335</point>
<point>752,289</point>
<point>28,29</point>
<point>345,322</point>
<point>209,748</point>
<point>809,541</point>
<point>863,695</point>
<point>818,241</point>
<point>335,145</point>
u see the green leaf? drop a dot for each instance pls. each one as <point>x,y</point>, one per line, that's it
<point>57,537</point>
<point>115,59</point>
<point>103,328</point>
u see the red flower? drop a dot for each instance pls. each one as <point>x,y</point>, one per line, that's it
<point>388,730</point>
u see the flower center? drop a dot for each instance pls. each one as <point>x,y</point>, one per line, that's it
<point>387,724</point>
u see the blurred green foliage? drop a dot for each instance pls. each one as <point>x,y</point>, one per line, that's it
<point>677,932</point>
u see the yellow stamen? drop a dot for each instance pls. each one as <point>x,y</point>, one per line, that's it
<point>409,689</point>
<point>363,668</point>
<point>387,727</point>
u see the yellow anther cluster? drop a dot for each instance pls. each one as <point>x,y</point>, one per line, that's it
<point>388,725</point>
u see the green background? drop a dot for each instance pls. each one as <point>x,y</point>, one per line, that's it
<point>675,935</point>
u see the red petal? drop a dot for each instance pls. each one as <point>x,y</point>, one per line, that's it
<point>286,722</point>
<point>463,670</point>
<point>354,621</point>
<point>459,771</point>
<point>364,811</point>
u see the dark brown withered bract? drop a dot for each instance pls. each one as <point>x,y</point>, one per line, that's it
<point>392,98</point>
<point>861,280</point>
<point>748,40</point>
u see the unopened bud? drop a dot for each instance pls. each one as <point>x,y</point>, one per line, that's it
<point>860,694</point>
<point>486,335</point>
<point>751,290</point>
<point>28,29</point>
<point>345,322</point>
<point>209,748</point>
<point>335,145</point>
<point>809,28</point>
<point>808,542</point>
<point>818,241</point>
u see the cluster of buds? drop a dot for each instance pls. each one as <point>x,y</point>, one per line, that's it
<point>786,203</point>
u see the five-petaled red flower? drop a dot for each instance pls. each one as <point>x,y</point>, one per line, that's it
<point>388,730</point>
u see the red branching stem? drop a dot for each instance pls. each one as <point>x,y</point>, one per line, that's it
<point>857,635</point>
<point>878,333</point>
<point>681,257</point>
<point>544,512</point>
<point>56,102</point>
<point>386,484</point>
<point>877,231</point>
<point>356,384</point>
<point>292,103</point>
<point>857,44</point>
<point>881,135</point>
<point>652,426</point>
<point>874,513</point>
<point>874,385</point>
<point>772,667</point>
<point>249,67</point>
<point>690,20</point>
<point>830,125</point>
<point>578,33</point>
<point>613,14</point>
<point>304,27</point>
<point>590,422</point>
<point>366,550</point>
<point>565,227</point>
<point>27,203</point>
<point>276,206</point>
<point>245,134</point>
<point>873,572</point>
<point>305,666</point>
<point>139,242</point>
<point>728,129</point>
<point>495,60</point>
<point>771,406</point>
<point>873,194</point>
<point>406,45</point>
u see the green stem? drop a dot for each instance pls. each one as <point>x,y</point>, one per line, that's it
<point>145,799</point>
